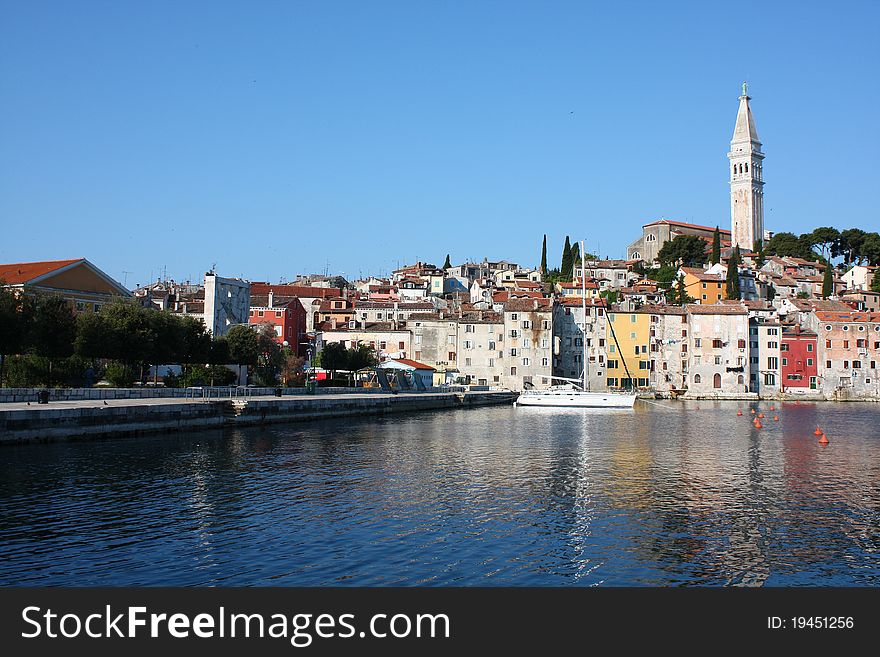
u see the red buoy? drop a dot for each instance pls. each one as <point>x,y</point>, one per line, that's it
<point>739,412</point>
<point>753,411</point>
<point>760,415</point>
<point>772,408</point>
<point>758,424</point>
<point>823,440</point>
<point>776,418</point>
<point>817,432</point>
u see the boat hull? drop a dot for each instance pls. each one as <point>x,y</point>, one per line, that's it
<point>573,399</point>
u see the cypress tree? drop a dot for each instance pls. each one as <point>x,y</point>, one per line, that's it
<point>565,269</point>
<point>716,246</point>
<point>733,275</point>
<point>544,257</point>
<point>575,256</point>
<point>759,251</point>
<point>828,282</point>
<point>447,264</point>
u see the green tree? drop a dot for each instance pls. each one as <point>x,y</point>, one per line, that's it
<point>565,269</point>
<point>828,281</point>
<point>270,358</point>
<point>684,251</point>
<point>759,254</point>
<point>53,330</point>
<point>870,249</point>
<point>16,314</point>
<point>334,357</point>
<point>575,256</point>
<point>361,356</point>
<point>849,246</point>
<point>716,246</point>
<point>875,283</point>
<point>733,274</point>
<point>544,258</point>
<point>244,348</point>
<point>610,296</point>
<point>678,294</point>
<point>788,244</point>
<point>447,264</point>
<point>826,239</point>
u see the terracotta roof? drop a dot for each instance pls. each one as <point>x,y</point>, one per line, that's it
<point>24,272</point>
<point>686,225</point>
<point>716,309</point>
<point>700,274</point>
<point>527,305</point>
<point>851,316</point>
<point>295,290</point>
<point>577,300</point>
<point>412,363</point>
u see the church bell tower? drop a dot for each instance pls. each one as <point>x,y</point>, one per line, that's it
<point>746,179</point>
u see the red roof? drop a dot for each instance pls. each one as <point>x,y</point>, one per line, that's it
<point>295,290</point>
<point>687,225</point>
<point>413,363</point>
<point>830,316</point>
<point>23,272</point>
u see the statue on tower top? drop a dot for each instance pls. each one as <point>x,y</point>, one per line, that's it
<point>745,89</point>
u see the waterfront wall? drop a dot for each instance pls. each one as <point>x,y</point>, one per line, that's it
<point>50,424</point>
<point>17,395</point>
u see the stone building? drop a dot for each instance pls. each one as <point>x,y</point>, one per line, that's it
<point>765,340</point>
<point>481,343</point>
<point>849,350</point>
<point>668,333</point>
<point>718,348</point>
<point>568,335</point>
<point>528,336</point>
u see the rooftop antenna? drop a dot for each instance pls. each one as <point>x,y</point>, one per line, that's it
<point>125,277</point>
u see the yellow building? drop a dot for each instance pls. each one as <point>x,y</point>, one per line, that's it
<point>633,332</point>
<point>704,288</point>
<point>84,286</point>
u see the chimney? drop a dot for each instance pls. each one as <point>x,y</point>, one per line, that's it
<point>271,298</point>
<point>333,323</point>
<point>536,303</point>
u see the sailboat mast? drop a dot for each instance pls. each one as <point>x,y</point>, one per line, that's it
<point>584,311</point>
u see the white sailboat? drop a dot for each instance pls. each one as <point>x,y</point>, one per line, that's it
<point>577,393</point>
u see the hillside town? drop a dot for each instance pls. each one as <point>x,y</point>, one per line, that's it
<point>694,311</point>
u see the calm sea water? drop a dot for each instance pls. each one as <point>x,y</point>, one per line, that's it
<point>677,494</point>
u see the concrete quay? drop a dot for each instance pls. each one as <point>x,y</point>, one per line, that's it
<point>76,420</point>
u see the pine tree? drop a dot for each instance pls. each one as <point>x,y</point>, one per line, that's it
<point>544,257</point>
<point>565,269</point>
<point>447,264</point>
<point>680,296</point>
<point>733,274</point>
<point>716,246</point>
<point>828,282</point>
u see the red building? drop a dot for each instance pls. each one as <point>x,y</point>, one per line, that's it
<point>799,353</point>
<point>286,314</point>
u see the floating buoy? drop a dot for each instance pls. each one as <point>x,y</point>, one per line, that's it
<point>758,424</point>
<point>760,415</point>
<point>753,411</point>
<point>776,418</point>
<point>817,432</point>
<point>739,412</point>
<point>823,440</point>
<point>772,408</point>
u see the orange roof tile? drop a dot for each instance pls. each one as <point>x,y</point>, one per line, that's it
<point>23,272</point>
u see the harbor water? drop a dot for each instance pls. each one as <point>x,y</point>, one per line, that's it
<point>665,494</point>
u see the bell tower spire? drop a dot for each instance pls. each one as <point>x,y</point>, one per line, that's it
<point>746,178</point>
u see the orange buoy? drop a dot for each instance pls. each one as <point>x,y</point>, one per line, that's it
<point>753,411</point>
<point>760,415</point>
<point>823,440</point>
<point>739,412</point>
<point>817,432</point>
<point>758,424</point>
<point>776,418</point>
<point>772,408</point>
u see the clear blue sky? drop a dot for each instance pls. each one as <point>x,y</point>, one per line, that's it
<point>282,137</point>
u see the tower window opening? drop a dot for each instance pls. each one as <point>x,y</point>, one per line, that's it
<point>747,167</point>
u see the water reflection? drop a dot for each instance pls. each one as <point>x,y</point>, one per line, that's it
<point>676,494</point>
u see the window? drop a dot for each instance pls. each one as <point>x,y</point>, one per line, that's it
<point>468,344</point>
<point>828,364</point>
<point>545,324</point>
<point>526,362</point>
<point>260,313</point>
<point>697,343</point>
<point>772,363</point>
<point>846,344</point>
<point>401,345</point>
<point>468,328</point>
<point>698,378</point>
<point>772,331</point>
<point>809,362</point>
<point>769,379</point>
<point>491,345</point>
<point>857,364</point>
<point>418,339</point>
<point>491,362</point>
<point>545,362</point>
<point>809,346</point>
<point>718,360</point>
<point>382,344</point>
<point>741,344</point>
<point>784,347</point>
<point>828,344</point>
<point>784,362</point>
<point>512,371</point>
<point>716,343</point>
<point>526,343</point>
<point>716,380</point>
<point>513,352</point>
<point>772,345</point>
<point>513,318</point>
<point>526,324</point>
<point>514,333</point>
<point>467,361</point>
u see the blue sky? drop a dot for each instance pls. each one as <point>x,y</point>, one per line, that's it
<point>273,138</point>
